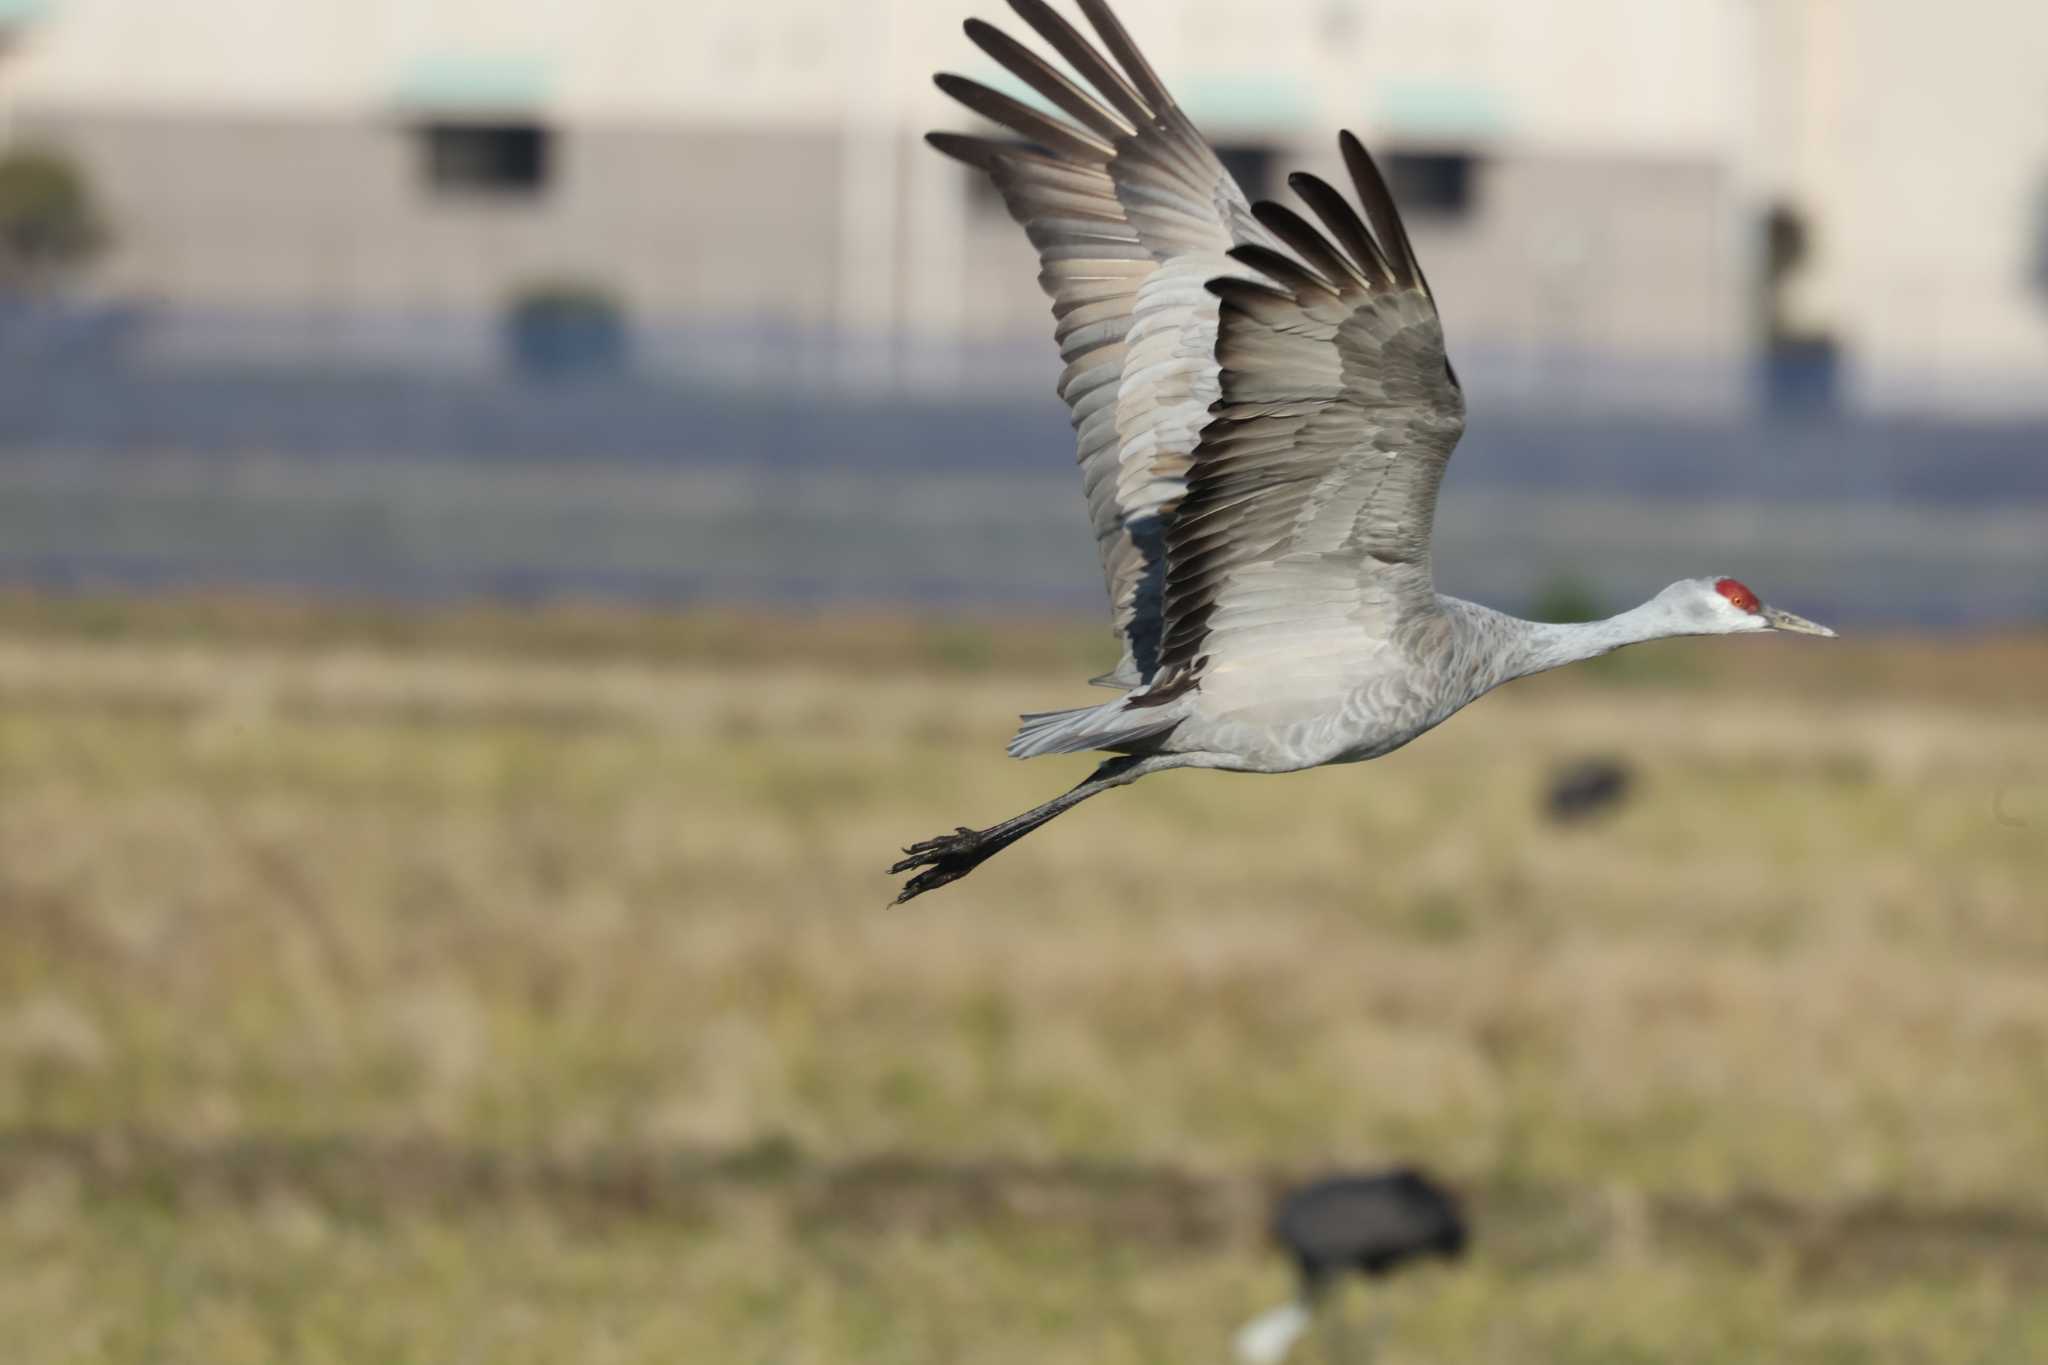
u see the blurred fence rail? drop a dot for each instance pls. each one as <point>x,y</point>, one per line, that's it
<point>126,462</point>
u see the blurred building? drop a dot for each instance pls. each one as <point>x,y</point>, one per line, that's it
<point>1591,181</point>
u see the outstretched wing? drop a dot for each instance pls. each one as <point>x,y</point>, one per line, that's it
<point>1132,215</point>
<point>1310,500</point>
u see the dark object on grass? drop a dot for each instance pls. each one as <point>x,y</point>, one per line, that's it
<point>1585,788</point>
<point>1372,1224</point>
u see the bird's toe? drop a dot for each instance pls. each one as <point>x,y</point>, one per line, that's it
<point>947,858</point>
<point>940,843</point>
<point>931,879</point>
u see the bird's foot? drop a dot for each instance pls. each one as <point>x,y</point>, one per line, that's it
<point>945,859</point>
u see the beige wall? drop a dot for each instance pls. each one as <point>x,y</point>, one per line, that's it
<point>1921,145</point>
<point>1587,73</point>
<point>1631,146</point>
<point>302,213</point>
<point>242,210</point>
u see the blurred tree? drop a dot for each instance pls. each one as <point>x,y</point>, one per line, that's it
<point>48,222</point>
<point>1567,598</point>
<point>1787,245</point>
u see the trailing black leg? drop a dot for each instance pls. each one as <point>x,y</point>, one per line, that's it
<point>949,857</point>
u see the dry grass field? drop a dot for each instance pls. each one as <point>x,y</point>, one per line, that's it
<point>474,986</point>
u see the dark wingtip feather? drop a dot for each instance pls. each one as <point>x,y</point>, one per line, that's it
<point>1117,39</point>
<point>1341,221</point>
<point>1291,228</point>
<point>1022,119</point>
<point>1032,69</point>
<point>1066,40</point>
<point>1232,289</point>
<point>982,153</point>
<point>973,151</point>
<point>1278,266</point>
<point>1380,208</point>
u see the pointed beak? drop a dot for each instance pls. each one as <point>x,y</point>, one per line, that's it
<point>1797,625</point>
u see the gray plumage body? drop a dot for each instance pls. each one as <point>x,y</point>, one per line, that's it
<point>1263,410</point>
<point>1265,711</point>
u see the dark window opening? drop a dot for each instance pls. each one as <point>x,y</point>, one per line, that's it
<point>487,158</point>
<point>1431,184</point>
<point>1251,167</point>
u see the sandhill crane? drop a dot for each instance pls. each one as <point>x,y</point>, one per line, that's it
<point>1263,410</point>
<point>1373,1224</point>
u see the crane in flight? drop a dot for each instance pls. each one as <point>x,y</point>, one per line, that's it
<point>1263,410</point>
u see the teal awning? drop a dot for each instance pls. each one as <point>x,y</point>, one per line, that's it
<point>461,83</point>
<point>1265,103</point>
<point>1414,110</point>
<point>1440,111</point>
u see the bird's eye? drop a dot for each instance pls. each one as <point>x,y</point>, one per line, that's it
<point>1739,595</point>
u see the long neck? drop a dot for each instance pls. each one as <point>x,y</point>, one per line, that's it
<point>1518,648</point>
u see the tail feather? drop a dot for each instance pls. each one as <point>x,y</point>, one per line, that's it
<point>1113,725</point>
